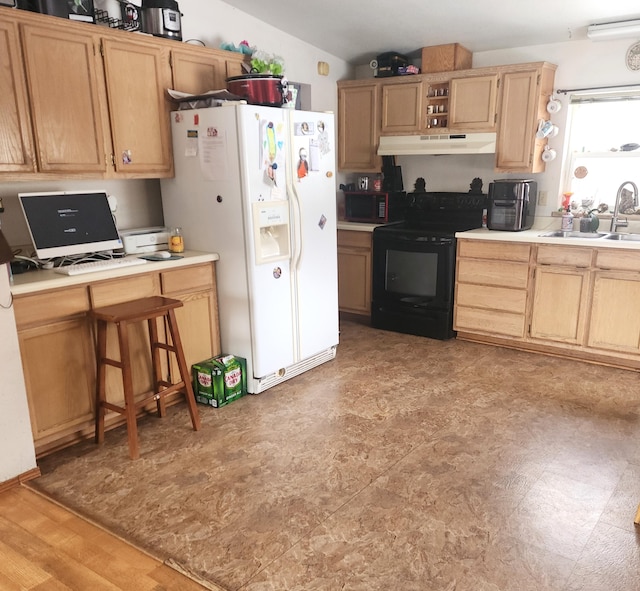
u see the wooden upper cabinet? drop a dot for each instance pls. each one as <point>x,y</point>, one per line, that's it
<point>60,66</point>
<point>137,75</point>
<point>472,103</point>
<point>16,147</point>
<point>402,107</point>
<point>198,70</point>
<point>358,127</point>
<point>524,95</point>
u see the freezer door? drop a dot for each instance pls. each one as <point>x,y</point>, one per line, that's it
<point>263,137</point>
<point>314,232</point>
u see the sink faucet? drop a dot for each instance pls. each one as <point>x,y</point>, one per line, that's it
<point>615,223</point>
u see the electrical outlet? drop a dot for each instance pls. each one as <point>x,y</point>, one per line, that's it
<point>542,197</point>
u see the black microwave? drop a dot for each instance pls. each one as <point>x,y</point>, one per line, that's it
<point>373,207</point>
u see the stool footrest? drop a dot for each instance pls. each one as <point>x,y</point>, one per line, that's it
<point>113,362</point>
<point>164,346</point>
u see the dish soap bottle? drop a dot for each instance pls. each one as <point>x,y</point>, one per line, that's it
<point>567,221</point>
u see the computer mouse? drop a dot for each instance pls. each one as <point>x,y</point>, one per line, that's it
<point>164,254</point>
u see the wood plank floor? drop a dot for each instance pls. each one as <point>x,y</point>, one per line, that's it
<point>45,547</point>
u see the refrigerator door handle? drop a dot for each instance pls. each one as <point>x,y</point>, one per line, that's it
<point>296,213</point>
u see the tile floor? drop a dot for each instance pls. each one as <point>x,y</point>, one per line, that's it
<point>404,464</point>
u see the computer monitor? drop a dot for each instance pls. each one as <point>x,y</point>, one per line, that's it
<point>69,223</point>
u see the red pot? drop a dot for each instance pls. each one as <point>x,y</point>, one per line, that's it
<point>259,89</point>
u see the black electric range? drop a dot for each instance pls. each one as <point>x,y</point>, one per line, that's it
<point>414,263</point>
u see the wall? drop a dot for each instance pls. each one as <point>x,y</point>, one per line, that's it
<point>17,454</point>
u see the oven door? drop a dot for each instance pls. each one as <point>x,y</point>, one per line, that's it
<point>413,277</point>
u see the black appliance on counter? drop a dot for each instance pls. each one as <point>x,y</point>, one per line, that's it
<point>511,204</point>
<point>414,263</point>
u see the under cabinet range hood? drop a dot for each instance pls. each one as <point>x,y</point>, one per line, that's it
<point>450,143</point>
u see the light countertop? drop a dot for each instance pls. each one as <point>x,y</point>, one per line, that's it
<point>534,236</point>
<point>44,280</point>
<point>357,226</point>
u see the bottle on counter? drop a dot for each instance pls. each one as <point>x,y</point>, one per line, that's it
<point>377,183</point>
<point>176,241</point>
<point>567,221</point>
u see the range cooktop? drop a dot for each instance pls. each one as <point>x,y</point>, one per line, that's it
<point>441,213</point>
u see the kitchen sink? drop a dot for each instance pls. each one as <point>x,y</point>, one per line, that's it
<point>632,237</point>
<point>562,234</point>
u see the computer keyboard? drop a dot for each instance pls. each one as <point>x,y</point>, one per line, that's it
<point>101,265</point>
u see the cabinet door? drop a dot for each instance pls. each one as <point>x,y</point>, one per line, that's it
<point>65,98</point>
<point>59,371</point>
<point>523,98</point>
<point>516,128</point>
<point>358,127</point>
<point>137,76</point>
<point>197,323</point>
<point>16,148</point>
<point>614,324</point>
<point>401,107</point>
<point>197,72</point>
<point>559,303</point>
<point>354,272</point>
<point>472,103</point>
<point>198,317</point>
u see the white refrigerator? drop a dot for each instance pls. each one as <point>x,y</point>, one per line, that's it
<point>257,186</point>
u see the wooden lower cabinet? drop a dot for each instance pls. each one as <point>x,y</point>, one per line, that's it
<point>60,376</point>
<point>560,294</point>
<point>559,300</point>
<point>614,323</point>
<point>579,302</point>
<point>492,280</point>
<point>57,346</point>
<point>354,271</point>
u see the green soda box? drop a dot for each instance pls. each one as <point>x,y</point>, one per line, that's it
<point>219,380</point>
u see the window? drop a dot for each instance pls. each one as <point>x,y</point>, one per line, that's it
<point>603,148</point>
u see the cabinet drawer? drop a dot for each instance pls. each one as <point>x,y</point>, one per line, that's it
<point>564,255</point>
<point>625,260</point>
<point>56,305</point>
<point>354,238</point>
<point>123,290</point>
<point>489,321</point>
<point>491,298</point>
<point>190,279</point>
<point>502,251</point>
<point>495,273</point>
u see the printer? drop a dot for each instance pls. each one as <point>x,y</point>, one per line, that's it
<point>139,240</point>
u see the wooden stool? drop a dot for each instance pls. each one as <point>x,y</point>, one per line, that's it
<point>122,315</point>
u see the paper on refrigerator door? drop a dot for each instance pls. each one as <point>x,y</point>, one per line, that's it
<point>213,153</point>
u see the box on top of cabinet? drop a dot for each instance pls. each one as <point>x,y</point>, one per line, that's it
<point>445,58</point>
